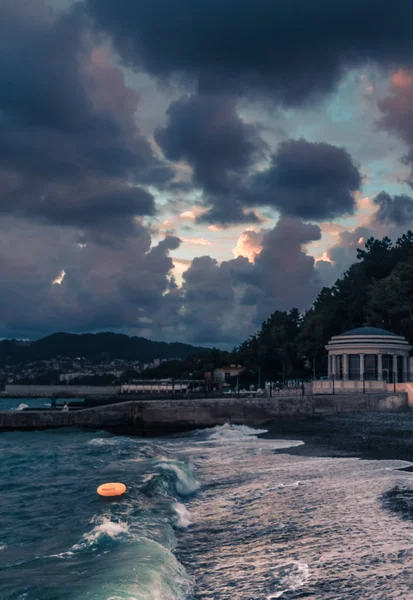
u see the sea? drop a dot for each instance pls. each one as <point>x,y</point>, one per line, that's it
<point>215,514</point>
<point>40,403</point>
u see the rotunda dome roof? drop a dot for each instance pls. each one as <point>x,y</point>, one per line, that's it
<point>367,331</point>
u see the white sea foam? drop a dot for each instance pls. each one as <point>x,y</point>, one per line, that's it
<point>103,442</point>
<point>228,432</point>
<point>22,406</point>
<point>104,527</point>
<point>184,516</point>
<point>3,547</point>
<point>297,576</point>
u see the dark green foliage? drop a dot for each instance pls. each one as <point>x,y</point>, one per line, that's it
<point>376,291</point>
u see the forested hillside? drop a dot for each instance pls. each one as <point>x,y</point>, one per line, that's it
<point>98,346</point>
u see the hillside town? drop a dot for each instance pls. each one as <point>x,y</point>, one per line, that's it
<point>78,371</point>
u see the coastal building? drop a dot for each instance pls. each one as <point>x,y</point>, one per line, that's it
<point>367,359</point>
<point>223,374</point>
<point>369,354</point>
<point>158,386</point>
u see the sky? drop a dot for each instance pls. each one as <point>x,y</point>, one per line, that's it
<point>179,170</point>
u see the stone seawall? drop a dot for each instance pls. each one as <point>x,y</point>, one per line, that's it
<point>162,416</point>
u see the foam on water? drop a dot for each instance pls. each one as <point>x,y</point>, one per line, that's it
<point>183,514</point>
<point>104,528</point>
<point>104,442</point>
<point>292,577</point>
<point>269,525</point>
<point>226,433</point>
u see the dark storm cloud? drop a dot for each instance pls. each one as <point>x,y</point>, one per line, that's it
<point>104,287</point>
<point>228,301</point>
<point>69,142</point>
<point>307,180</point>
<point>34,48</point>
<point>90,203</point>
<point>397,210</point>
<point>397,109</point>
<point>288,275</point>
<point>206,132</point>
<point>290,49</point>
<point>128,288</point>
<point>226,211</point>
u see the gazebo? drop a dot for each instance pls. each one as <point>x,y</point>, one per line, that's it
<point>369,354</point>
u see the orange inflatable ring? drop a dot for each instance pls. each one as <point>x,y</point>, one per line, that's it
<point>111,489</point>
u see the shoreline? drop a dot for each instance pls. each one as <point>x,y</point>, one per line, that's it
<point>372,436</point>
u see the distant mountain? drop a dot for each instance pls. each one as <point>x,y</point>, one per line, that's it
<point>105,346</point>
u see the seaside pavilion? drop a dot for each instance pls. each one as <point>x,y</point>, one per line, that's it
<point>369,354</point>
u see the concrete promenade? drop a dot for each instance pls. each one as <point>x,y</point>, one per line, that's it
<point>164,416</point>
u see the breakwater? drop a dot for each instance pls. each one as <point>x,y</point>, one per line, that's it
<point>162,416</point>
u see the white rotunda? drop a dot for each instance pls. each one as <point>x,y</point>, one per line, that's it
<point>369,354</point>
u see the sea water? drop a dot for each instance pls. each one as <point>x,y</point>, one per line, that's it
<point>213,514</point>
<point>41,403</point>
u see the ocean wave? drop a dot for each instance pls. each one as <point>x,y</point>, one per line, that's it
<point>146,570</point>
<point>186,484</point>
<point>170,478</point>
<point>22,406</point>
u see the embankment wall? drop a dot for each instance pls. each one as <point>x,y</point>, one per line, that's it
<point>161,416</point>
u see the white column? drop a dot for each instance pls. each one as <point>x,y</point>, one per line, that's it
<point>380,367</point>
<point>361,366</point>
<point>333,365</point>
<point>329,365</point>
<point>405,371</point>
<point>345,366</point>
<point>395,368</point>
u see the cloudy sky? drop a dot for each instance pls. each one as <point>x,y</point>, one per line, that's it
<point>179,170</point>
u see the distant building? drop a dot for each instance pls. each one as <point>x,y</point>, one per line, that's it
<point>65,377</point>
<point>156,386</point>
<point>223,374</point>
